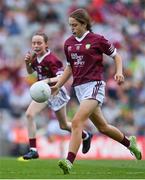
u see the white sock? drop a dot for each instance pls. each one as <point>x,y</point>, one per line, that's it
<point>33,149</point>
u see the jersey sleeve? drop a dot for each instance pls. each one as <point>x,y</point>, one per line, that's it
<point>106,47</point>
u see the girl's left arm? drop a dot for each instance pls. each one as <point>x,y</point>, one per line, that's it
<point>119,77</point>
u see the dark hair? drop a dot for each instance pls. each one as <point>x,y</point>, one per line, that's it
<point>82,16</point>
<point>45,37</point>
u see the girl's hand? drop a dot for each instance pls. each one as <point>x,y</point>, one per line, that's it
<point>119,78</point>
<point>29,57</point>
<point>54,90</point>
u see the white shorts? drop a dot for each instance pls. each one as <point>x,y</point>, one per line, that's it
<point>58,101</point>
<point>91,90</point>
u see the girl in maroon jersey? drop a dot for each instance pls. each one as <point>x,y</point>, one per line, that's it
<point>84,52</point>
<point>49,68</point>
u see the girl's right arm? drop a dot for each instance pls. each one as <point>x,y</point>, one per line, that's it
<point>28,60</point>
<point>62,79</point>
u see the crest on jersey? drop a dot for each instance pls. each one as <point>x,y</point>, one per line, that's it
<point>78,46</point>
<point>88,46</point>
<point>69,48</point>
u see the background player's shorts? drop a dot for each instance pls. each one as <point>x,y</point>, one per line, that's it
<point>58,101</point>
<point>91,90</point>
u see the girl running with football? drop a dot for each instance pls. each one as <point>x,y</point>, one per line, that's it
<point>49,69</point>
<point>84,52</point>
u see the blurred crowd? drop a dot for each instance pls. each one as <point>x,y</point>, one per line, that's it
<point>122,22</point>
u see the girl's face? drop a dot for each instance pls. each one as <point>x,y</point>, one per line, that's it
<point>77,28</point>
<point>39,45</point>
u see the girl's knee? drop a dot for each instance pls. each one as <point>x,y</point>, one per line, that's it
<point>63,126</point>
<point>76,123</point>
<point>29,115</point>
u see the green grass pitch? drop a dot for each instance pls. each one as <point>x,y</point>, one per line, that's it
<point>11,168</point>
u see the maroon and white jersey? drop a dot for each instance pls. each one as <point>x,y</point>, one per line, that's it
<point>85,56</point>
<point>47,66</point>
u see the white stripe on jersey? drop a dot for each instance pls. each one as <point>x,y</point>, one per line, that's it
<point>40,59</point>
<point>83,36</point>
<point>114,53</point>
<point>111,49</point>
<point>59,73</point>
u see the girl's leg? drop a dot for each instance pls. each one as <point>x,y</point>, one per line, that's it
<point>62,119</point>
<point>114,133</point>
<point>65,125</point>
<point>100,122</point>
<point>33,109</point>
<point>85,110</point>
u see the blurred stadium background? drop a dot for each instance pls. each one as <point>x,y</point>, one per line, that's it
<point>122,21</point>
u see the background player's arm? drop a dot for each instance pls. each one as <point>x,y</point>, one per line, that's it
<point>28,59</point>
<point>51,80</point>
<point>67,73</point>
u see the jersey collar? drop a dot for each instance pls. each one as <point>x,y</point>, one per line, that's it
<point>84,35</point>
<point>40,59</point>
